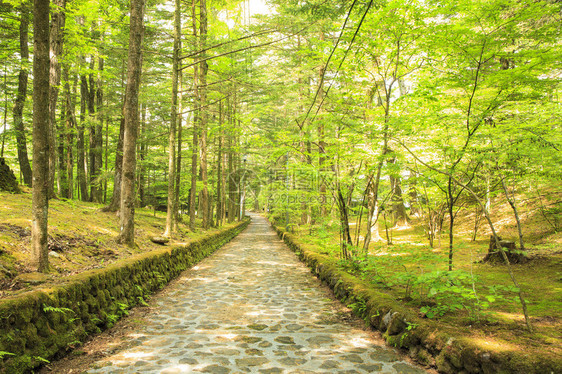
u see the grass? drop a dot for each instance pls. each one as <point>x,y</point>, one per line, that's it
<point>81,237</point>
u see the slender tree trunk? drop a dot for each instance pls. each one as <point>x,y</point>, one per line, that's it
<point>40,197</point>
<point>195,150</point>
<point>511,201</point>
<point>5,121</point>
<point>203,67</point>
<point>61,182</point>
<point>131,115</point>
<point>115,204</point>
<point>19,104</point>
<point>98,149</point>
<point>179,158</point>
<point>93,136</point>
<point>70,125</point>
<point>80,141</point>
<point>56,45</point>
<point>450,209</point>
<point>230,160</point>
<point>219,168</point>
<point>171,214</point>
<point>142,157</point>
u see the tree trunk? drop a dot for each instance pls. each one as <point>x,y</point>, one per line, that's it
<point>118,174</point>
<point>40,197</point>
<point>93,138</point>
<point>203,67</point>
<point>5,121</point>
<point>81,141</point>
<point>171,214</point>
<point>61,182</point>
<point>70,125</point>
<point>56,45</point>
<point>401,218</point>
<point>98,149</point>
<point>19,104</point>
<point>131,116</point>
<point>195,150</point>
<point>511,201</point>
<point>219,168</point>
<point>180,145</point>
<point>231,210</point>
<point>142,157</point>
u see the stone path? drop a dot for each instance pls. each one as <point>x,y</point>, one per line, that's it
<point>251,307</point>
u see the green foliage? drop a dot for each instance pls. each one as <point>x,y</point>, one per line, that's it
<point>5,354</point>
<point>52,309</point>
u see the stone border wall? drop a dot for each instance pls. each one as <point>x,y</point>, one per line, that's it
<point>43,324</point>
<point>425,341</point>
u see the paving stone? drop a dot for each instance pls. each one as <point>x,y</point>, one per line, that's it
<point>402,368</point>
<point>292,361</point>
<point>330,364</point>
<point>353,358</point>
<point>285,340</point>
<point>257,326</point>
<point>251,361</point>
<point>215,369</point>
<point>271,371</point>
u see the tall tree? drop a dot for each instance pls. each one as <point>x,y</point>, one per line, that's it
<point>40,198</point>
<point>195,148</point>
<point>203,68</point>
<point>171,214</point>
<point>19,127</point>
<point>131,116</point>
<point>56,45</point>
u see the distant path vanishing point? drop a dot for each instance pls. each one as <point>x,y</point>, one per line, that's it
<point>251,307</point>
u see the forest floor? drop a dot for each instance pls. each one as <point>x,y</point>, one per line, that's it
<point>81,237</point>
<point>405,270</point>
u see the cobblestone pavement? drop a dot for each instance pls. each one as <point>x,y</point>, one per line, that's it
<point>250,307</point>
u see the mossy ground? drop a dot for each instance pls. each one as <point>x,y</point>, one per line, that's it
<point>81,237</point>
<point>500,327</point>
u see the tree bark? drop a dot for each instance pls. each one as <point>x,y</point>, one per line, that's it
<point>80,141</point>
<point>171,214</point>
<point>97,195</point>
<point>40,196</point>
<point>56,45</point>
<point>131,116</point>
<point>219,169</point>
<point>180,140</point>
<point>118,174</point>
<point>70,125</point>
<point>203,67</point>
<point>19,104</point>
<point>195,150</point>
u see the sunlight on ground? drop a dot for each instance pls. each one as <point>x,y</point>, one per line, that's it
<point>358,342</point>
<point>204,280</point>
<point>136,355</point>
<point>510,316</point>
<point>274,263</point>
<point>489,343</point>
<point>389,254</point>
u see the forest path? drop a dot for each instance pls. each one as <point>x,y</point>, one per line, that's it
<point>251,307</point>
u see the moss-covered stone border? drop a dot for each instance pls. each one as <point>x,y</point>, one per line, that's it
<point>425,341</point>
<point>43,324</point>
